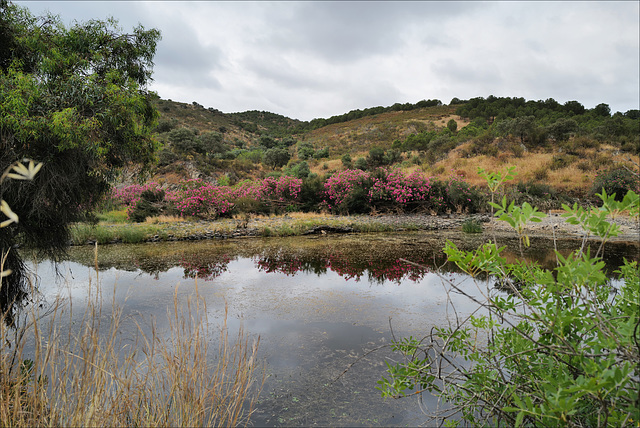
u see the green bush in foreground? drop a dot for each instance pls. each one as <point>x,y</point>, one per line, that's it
<point>560,348</point>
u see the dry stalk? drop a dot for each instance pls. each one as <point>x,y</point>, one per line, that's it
<point>93,375</point>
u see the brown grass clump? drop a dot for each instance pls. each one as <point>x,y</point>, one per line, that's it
<point>165,219</point>
<point>306,216</point>
<point>90,375</point>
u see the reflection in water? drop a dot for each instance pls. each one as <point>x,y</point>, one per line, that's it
<point>318,305</point>
<point>376,267</point>
<point>203,267</point>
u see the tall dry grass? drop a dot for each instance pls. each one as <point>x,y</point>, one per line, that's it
<point>91,374</point>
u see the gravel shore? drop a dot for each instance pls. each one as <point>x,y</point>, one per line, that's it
<point>317,224</point>
<point>327,224</point>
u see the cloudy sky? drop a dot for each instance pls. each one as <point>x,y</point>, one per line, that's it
<point>318,59</point>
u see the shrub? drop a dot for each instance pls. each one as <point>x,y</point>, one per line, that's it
<point>618,181</point>
<point>311,193</point>
<point>347,191</point>
<point>461,196</point>
<point>321,153</point>
<point>361,164</point>
<point>346,161</point>
<point>471,225</point>
<point>299,170</point>
<point>561,161</point>
<point>150,204</point>
<point>560,348</point>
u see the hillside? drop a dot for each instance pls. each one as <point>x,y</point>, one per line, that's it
<point>565,146</point>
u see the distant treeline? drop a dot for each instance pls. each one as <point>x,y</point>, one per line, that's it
<point>498,108</point>
<point>260,122</point>
<point>357,114</point>
<point>276,125</point>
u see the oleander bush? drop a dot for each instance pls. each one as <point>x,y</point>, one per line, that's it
<point>618,181</point>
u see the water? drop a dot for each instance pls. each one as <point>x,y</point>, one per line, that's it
<point>325,308</point>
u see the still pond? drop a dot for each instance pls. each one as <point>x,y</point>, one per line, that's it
<point>318,304</point>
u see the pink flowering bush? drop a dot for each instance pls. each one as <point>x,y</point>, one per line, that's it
<point>131,194</point>
<point>346,191</point>
<point>207,201</point>
<point>198,198</point>
<point>393,190</point>
<point>350,191</point>
<point>357,191</point>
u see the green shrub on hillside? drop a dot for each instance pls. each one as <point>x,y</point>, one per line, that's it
<point>618,181</point>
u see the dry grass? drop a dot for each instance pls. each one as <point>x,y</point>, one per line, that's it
<point>307,216</point>
<point>532,166</point>
<point>165,219</point>
<point>90,375</point>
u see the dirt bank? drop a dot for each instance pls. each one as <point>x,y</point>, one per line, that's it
<point>327,224</point>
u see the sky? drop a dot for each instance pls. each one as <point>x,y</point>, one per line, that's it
<point>308,59</point>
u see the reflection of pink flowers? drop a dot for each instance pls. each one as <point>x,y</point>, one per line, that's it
<point>206,270</point>
<point>376,270</point>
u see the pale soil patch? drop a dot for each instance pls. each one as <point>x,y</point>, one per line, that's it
<point>460,121</point>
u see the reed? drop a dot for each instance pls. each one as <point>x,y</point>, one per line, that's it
<point>90,374</point>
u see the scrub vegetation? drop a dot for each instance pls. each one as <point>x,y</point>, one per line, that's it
<point>546,347</point>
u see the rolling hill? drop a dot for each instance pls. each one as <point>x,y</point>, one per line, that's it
<point>565,146</point>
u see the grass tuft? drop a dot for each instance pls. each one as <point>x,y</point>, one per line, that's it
<point>90,374</point>
<point>471,226</point>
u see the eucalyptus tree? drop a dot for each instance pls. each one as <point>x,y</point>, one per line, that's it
<point>76,100</point>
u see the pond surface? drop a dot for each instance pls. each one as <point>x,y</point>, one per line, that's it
<point>318,304</point>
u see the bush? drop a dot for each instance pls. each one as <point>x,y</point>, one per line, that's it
<point>311,193</point>
<point>346,161</point>
<point>347,191</point>
<point>560,348</point>
<point>618,181</point>
<point>300,170</point>
<point>321,153</point>
<point>561,161</point>
<point>361,164</point>
<point>150,204</point>
<point>471,225</point>
<point>461,196</point>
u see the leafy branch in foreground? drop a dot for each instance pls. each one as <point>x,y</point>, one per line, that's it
<point>15,171</point>
<point>496,179</point>
<point>546,348</point>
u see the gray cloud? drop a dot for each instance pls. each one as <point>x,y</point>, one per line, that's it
<point>184,60</point>
<point>348,31</point>
<point>317,59</point>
